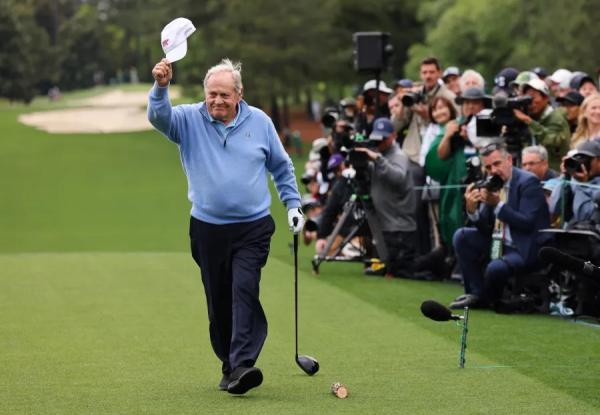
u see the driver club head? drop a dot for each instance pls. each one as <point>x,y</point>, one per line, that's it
<point>308,364</point>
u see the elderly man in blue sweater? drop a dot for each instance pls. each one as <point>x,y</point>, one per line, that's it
<point>227,148</point>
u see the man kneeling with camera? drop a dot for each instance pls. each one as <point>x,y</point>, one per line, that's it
<point>507,209</point>
<point>393,197</point>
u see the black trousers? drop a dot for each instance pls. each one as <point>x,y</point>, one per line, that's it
<point>401,253</point>
<point>230,258</point>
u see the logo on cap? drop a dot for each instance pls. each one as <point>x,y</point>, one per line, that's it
<point>165,43</point>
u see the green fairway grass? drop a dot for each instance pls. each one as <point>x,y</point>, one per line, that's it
<point>102,308</point>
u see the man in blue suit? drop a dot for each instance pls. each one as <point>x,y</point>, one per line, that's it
<point>505,239</point>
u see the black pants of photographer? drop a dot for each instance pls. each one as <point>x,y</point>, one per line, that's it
<point>401,253</point>
<point>422,235</point>
<point>230,258</point>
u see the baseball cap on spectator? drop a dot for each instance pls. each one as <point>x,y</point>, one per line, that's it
<point>579,79</point>
<point>382,128</point>
<point>348,102</point>
<point>173,38</point>
<point>503,79</point>
<point>589,148</point>
<point>372,84</point>
<point>537,84</point>
<point>522,78</point>
<point>334,161</point>
<point>450,71</point>
<point>404,83</point>
<point>561,77</point>
<point>572,97</point>
<point>471,94</point>
<point>317,145</point>
<point>540,72</point>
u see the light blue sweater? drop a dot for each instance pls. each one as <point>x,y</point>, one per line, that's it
<point>226,169</point>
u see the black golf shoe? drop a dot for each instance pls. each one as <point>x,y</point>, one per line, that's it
<point>243,379</point>
<point>225,380</point>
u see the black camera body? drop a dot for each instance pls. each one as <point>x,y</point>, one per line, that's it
<point>412,98</point>
<point>501,122</point>
<point>330,116</point>
<point>575,164</point>
<point>490,183</point>
<point>474,172</point>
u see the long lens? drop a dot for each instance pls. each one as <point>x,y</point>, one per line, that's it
<point>328,120</point>
<point>409,99</point>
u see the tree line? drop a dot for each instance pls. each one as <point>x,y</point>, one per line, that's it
<point>287,48</point>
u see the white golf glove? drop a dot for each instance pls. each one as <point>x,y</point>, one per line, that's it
<point>296,213</point>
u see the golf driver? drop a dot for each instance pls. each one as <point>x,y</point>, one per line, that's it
<point>308,364</point>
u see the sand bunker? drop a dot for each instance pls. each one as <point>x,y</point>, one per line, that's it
<point>111,112</point>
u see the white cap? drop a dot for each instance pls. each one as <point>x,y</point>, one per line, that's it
<point>317,145</point>
<point>372,84</point>
<point>562,77</point>
<point>173,38</point>
<point>538,85</point>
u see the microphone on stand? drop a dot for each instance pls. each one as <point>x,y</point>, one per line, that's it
<point>438,312</point>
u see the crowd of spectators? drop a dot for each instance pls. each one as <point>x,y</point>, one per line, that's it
<point>430,148</point>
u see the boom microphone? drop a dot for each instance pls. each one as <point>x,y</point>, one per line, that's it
<point>437,312</point>
<point>569,262</point>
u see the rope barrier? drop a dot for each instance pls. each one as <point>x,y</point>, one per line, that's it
<point>461,186</point>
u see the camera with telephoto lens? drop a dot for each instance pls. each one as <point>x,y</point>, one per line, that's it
<point>575,164</point>
<point>307,177</point>
<point>412,98</point>
<point>474,172</point>
<point>490,183</point>
<point>330,116</point>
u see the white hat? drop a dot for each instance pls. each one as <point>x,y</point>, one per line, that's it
<point>538,85</point>
<point>372,84</point>
<point>562,77</point>
<point>317,145</point>
<point>173,38</point>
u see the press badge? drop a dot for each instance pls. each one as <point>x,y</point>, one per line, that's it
<point>496,249</point>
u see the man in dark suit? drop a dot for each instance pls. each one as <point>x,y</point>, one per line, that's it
<point>504,240</point>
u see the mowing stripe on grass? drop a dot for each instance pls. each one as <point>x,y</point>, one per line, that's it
<point>127,332</point>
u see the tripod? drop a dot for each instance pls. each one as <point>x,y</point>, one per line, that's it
<point>361,209</point>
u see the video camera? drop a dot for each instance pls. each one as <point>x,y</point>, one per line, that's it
<point>501,122</point>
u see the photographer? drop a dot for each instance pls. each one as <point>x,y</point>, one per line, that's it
<point>546,126</point>
<point>507,212</point>
<point>341,190</point>
<point>414,115</point>
<point>393,197</point>
<point>367,105</point>
<point>584,167</point>
<point>414,118</point>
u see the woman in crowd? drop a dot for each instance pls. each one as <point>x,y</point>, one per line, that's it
<point>588,125</point>
<point>448,171</point>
